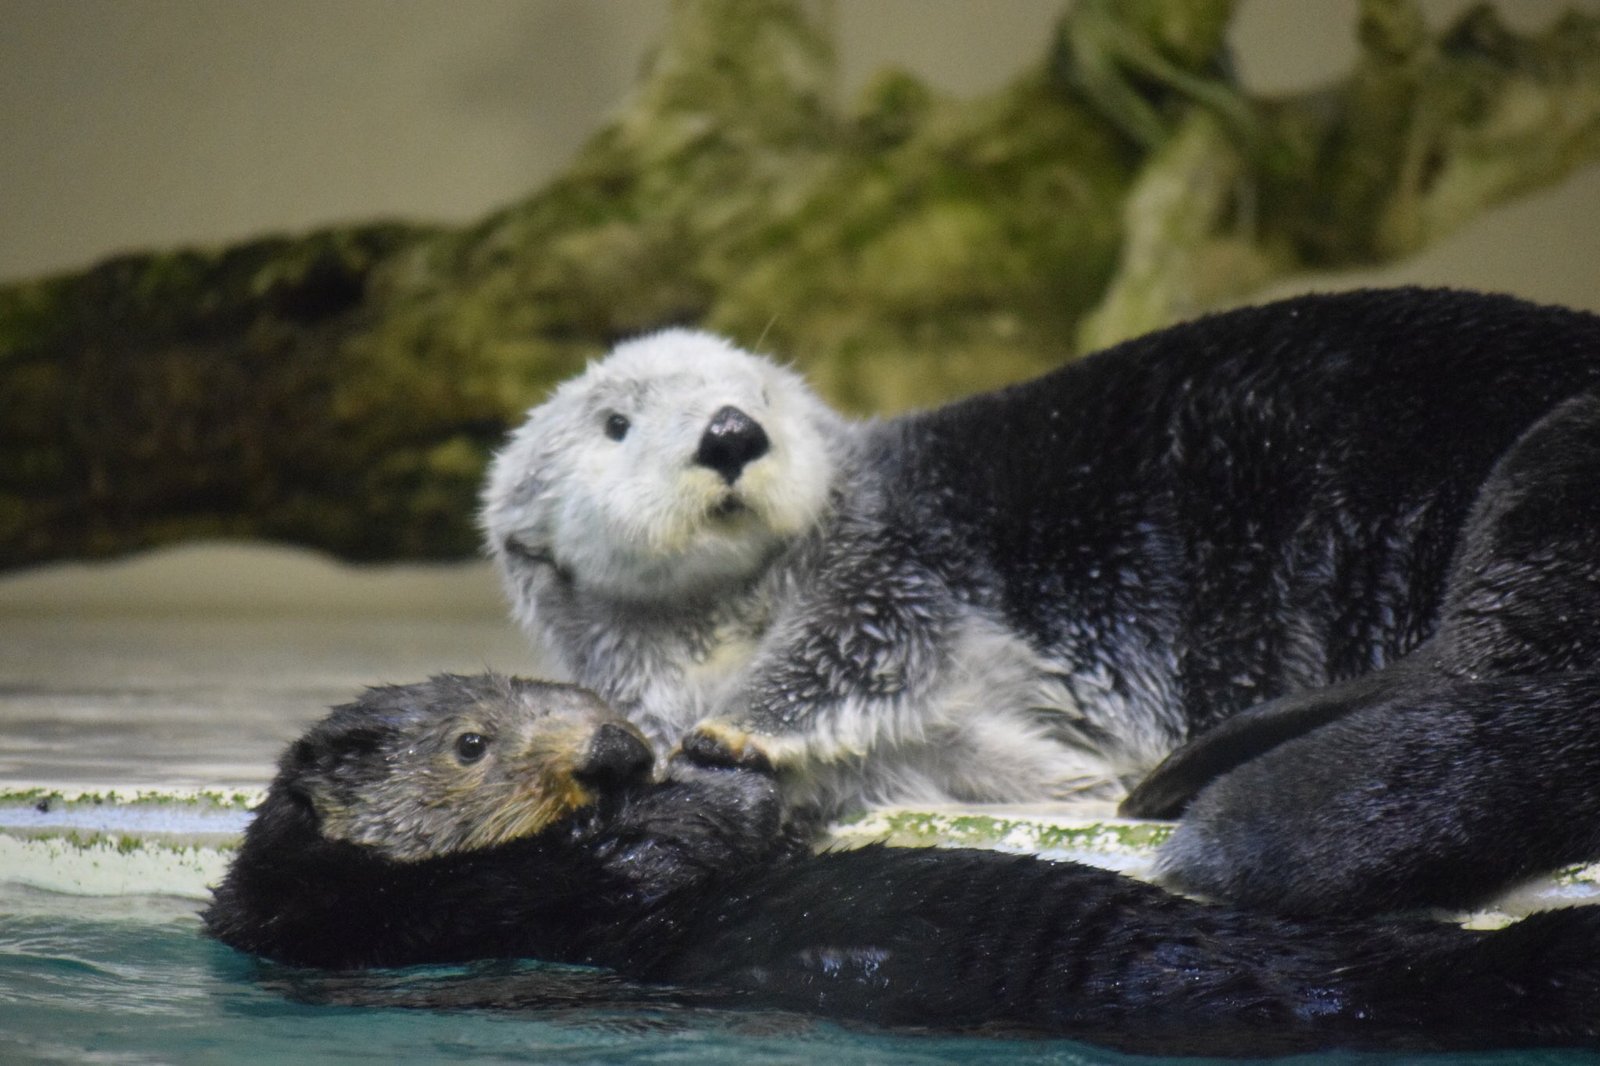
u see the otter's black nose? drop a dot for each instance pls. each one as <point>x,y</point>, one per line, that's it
<point>731,440</point>
<point>617,756</point>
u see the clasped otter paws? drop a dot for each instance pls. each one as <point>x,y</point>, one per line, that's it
<point>719,744</point>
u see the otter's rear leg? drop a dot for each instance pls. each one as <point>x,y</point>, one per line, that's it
<point>1438,797</point>
<point>1167,791</point>
<point>1472,762</point>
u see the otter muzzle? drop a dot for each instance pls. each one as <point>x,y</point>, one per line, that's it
<point>617,756</point>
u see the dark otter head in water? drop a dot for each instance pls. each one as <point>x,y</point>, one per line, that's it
<point>460,763</point>
<point>482,817</point>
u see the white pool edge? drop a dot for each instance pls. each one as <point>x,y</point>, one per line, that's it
<point>120,841</point>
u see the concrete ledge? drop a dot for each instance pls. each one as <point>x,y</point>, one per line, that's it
<point>119,841</point>
<point>177,842</point>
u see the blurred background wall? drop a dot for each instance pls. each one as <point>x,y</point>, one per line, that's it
<point>133,124</point>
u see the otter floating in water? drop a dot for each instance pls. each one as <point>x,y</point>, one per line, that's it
<point>1345,548</point>
<point>486,817</point>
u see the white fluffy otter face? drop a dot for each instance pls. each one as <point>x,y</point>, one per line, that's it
<point>675,465</point>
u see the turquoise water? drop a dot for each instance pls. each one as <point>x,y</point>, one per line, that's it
<point>130,980</point>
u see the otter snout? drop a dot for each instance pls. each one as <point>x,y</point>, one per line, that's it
<point>731,441</point>
<point>617,756</point>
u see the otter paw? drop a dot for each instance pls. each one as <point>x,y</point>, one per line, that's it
<point>718,744</point>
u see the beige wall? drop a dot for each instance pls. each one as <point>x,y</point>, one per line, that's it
<point>135,123</point>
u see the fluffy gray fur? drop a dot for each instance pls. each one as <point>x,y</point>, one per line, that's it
<point>774,615</point>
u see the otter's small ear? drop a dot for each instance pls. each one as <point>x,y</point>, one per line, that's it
<point>534,555</point>
<point>530,486</point>
<point>316,756</point>
<point>298,759</point>
<point>291,788</point>
<point>358,745</point>
<point>300,797</point>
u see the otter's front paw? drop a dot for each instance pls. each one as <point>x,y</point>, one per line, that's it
<point>719,744</point>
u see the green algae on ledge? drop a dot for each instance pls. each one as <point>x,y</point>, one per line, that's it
<point>1125,845</point>
<point>48,799</point>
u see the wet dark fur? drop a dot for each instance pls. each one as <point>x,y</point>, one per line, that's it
<point>695,882</point>
<point>1348,543</point>
<point>1392,565</point>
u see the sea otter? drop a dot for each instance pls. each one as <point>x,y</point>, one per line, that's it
<point>487,817</point>
<point>1345,547</point>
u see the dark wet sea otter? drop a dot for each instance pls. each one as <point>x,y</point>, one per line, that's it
<point>1335,559</point>
<point>485,817</point>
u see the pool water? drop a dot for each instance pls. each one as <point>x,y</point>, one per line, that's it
<point>131,979</point>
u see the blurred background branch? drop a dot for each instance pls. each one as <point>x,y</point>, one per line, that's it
<point>342,390</point>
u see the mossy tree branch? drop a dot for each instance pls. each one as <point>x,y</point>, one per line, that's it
<point>343,390</point>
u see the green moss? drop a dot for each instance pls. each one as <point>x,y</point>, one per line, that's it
<point>1587,875</point>
<point>893,106</point>
<point>28,796</point>
<point>203,799</point>
<point>925,828</point>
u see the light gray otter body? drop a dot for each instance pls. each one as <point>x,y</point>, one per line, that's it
<point>1338,514</point>
<point>680,591</point>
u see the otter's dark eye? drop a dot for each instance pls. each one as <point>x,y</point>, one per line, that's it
<point>617,426</point>
<point>470,747</point>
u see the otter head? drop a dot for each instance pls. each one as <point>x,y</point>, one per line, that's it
<point>675,466</point>
<point>459,763</point>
